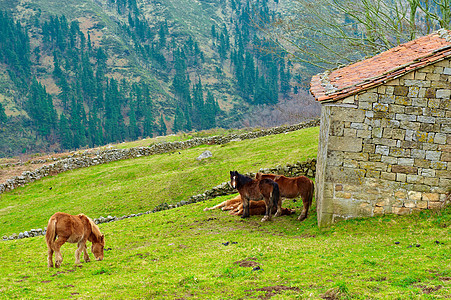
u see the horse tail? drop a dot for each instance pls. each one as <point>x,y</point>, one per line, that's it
<point>310,196</point>
<point>50,234</point>
<point>275,194</point>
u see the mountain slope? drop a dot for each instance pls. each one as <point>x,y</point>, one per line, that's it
<point>96,72</point>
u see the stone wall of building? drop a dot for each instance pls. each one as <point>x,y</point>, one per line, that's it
<point>388,149</point>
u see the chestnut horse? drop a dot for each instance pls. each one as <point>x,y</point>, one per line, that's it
<point>73,229</point>
<point>253,189</point>
<point>235,206</point>
<point>292,187</point>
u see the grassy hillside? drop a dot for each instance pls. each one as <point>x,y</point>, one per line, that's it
<point>138,185</point>
<point>183,253</point>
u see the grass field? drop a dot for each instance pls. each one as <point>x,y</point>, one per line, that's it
<point>186,253</point>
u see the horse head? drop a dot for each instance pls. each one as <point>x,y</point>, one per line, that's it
<point>97,247</point>
<point>233,178</point>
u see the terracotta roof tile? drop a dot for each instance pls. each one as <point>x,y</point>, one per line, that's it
<point>343,82</point>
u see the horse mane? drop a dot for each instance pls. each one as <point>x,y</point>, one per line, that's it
<point>243,179</point>
<point>95,229</point>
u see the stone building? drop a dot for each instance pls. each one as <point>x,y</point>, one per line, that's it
<point>385,134</point>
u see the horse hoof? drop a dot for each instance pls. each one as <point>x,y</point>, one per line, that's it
<point>265,219</point>
<point>302,218</point>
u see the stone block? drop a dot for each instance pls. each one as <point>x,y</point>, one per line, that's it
<point>412,178</point>
<point>435,205</point>
<point>434,103</point>
<point>415,196</point>
<point>345,175</point>
<point>380,107</point>
<point>446,157</point>
<point>438,70</point>
<point>401,177</point>
<point>401,194</point>
<point>431,181</point>
<point>405,161</point>
<point>389,160</point>
<point>433,155</point>
<point>413,92</point>
<point>389,99</point>
<point>432,77</point>
<point>364,134</point>
<point>439,165</point>
<point>440,138</point>
<point>420,102</point>
<point>420,75</point>
<point>401,210</point>
<point>348,114</point>
<point>406,117</point>
<point>368,97</point>
<point>422,204</point>
<point>346,144</point>
<point>397,109</point>
<point>373,174</point>
<point>384,150</point>
<point>368,148</point>
<point>422,163</point>
<point>365,105</point>
<point>378,210</point>
<point>404,170</point>
<point>356,156</point>
<point>431,197</point>
<point>417,83</point>
<point>388,176</point>
<point>430,93</point>
<point>350,132</point>
<point>424,137</point>
<point>359,126</point>
<point>410,204</point>
<point>426,119</point>
<point>404,101</point>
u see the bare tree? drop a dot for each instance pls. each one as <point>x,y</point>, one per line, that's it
<point>329,33</point>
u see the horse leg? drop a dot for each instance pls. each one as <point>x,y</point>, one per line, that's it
<point>304,212</point>
<point>245,207</point>
<point>267,216</point>
<point>279,208</point>
<point>57,248</point>
<point>50,257</point>
<point>85,254</point>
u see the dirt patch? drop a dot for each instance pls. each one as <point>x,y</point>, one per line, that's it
<point>271,291</point>
<point>430,289</point>
<point>248,262</point>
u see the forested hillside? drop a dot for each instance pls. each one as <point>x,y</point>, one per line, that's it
<point>86,73</point>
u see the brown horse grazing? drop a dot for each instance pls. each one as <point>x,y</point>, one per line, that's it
<point>253,189</point>
<point>73,229</point>
<point>235,206</point>
<point>292,187</point>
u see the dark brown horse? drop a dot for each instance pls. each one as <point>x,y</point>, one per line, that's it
<point>293,187</point>
<point>253,189</point>
<point>73,229</point>
<point>235,206</point>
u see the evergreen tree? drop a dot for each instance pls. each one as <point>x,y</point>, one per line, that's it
<point>162,126</point>
<point>64,133</point>
<point>3,117</point>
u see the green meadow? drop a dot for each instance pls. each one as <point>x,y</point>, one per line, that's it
<point>187,253</point>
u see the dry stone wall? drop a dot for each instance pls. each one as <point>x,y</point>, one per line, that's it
<point>106,156</point>
<point>387,150</point>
